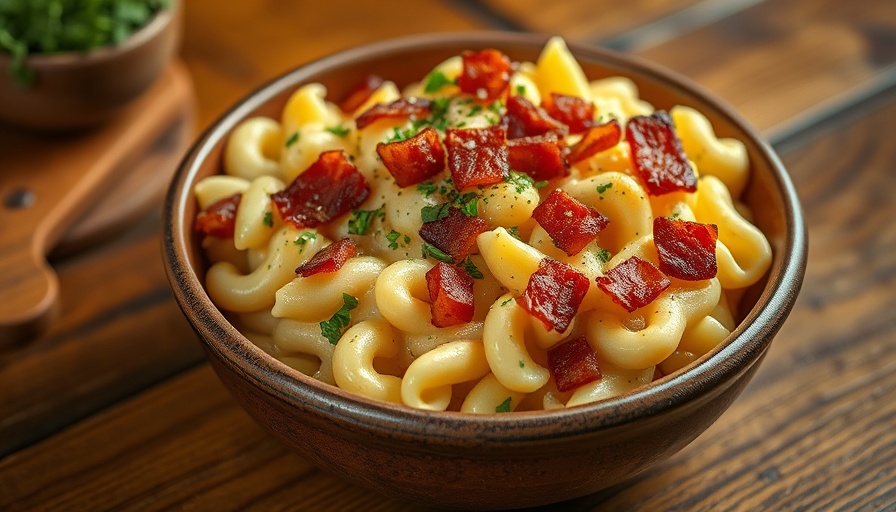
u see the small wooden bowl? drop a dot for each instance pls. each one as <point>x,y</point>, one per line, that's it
<point>502,460</point>
<point>83,89</point>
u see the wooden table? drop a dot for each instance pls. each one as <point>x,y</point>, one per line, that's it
<point>114,407</point>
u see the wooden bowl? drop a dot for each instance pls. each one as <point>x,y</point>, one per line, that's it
<point>502,460</point>
<point>78,90</point>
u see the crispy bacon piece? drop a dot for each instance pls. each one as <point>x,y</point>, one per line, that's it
<point>360,93</point>
<point>658,155</point>
<point>329,259</point>
<point>573,364</point>
<point>218,220</point>
<point>455,234</point>
<point>687,250</point>
<point>598,138</point>
<point>329,188</point>
<point>485,74</point>
<point>554,293</point>
<point>574,112</point>
<point>450,295</point>
<point>570,223</point>
<point>633,284</point>
<point>402,108</point>
<point>523,119</point>
<point>539,156</point>
<point>413,160</point>
<point>477,156</point>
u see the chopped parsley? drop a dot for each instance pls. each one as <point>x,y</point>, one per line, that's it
<point>603,255</point>
<point>603,187</point>
<point>514,231</point>
<point>506,302</point>
<point>332,329</point>
<point>472,269</point>
<point>360,221</point>
<point>522,364</point>
<point>304,238</point>
<point>435,252</point>
<point>468,204</point>
<point>393,237</point>
<point>504,406</point>
<point>520,180</point>
<point>434,213</point>
<point>268,219</point>
<point>435,81</point>
<point>540,184</point>
<point>427,188</point>
<point>521,89</point>
<point>338,130</point>
<point>292,139</point>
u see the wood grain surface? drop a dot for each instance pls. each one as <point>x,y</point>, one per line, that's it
<point>115,408</point>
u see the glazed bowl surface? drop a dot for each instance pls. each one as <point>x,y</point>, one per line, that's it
<point>500,460</point>
<point>79,90</point>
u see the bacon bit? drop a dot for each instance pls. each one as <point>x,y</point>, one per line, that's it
<point>402,108</point>
<point>361,93</point>
<point>554,293</point>
<point>658,155</point>
<point>570,223</point>
<point>523,119</point>
<point>540,156</point>
<point>598,138</point>
<point>329,188</point>
<point>219,219</point>
<point>687,250</point>
<point>485,75</point>
<point>329,259</point>
<point>573,364</point>
<point>634,283</point>
<point>413,160</point>
<point>477,156</point>
<point>574,112</point>
<point>450,295</point>
<point>455,234</point>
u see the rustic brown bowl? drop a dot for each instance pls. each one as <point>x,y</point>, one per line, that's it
<point>78,90</point>
<point>502,460</point>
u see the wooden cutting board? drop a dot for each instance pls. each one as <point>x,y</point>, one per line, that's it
<point>62,192</point>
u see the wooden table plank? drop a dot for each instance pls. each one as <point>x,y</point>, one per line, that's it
<point>583,19</point>
<point>782,58</point>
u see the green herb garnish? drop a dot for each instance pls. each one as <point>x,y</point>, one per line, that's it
<point>268,219</point>
<point>360,221</point>
<point>427,188</point>
<point>392,237</point>
<point>520,180</point>
<point>603,187</point>
<point>603,255</point>
<point>435,81</point>
<point>292,139</point>
<point>435,252</point>
<point>472,269</point>
<point>304,238</point>
<point>505,405</point>
<point>332,329</point>
<point>434,213</point>
<point>339,130</point>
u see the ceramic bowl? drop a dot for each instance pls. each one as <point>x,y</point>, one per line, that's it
<point>501,460</point>
<point>77,90</point>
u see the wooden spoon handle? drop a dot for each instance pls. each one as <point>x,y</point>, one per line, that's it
<point>47,182</point>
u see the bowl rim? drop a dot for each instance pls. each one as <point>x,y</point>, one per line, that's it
<point>736,355</point>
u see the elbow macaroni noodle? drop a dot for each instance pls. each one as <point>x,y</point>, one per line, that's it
<point>390,350</point>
